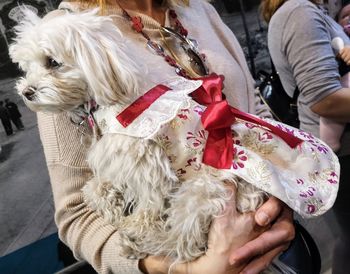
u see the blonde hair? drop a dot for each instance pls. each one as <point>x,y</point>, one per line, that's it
<point>102,3</point>
<point>269,7</point>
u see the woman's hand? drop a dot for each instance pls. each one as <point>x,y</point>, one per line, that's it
<point>344,54</point>
<point>228,232</point>
<point>261,251</point>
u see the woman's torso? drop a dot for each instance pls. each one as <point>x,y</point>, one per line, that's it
<point>223,56</point>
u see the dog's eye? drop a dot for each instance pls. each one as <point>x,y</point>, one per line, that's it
<point>52,63</point>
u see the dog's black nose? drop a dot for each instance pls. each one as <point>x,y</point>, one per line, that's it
<point>29,93</point>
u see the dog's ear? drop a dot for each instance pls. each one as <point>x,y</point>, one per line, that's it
<point>103,56</point>
<point>28,19</point>
<point>24,32</point>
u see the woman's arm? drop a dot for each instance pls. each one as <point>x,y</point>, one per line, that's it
<point>89,236</point>
<point>306,43</point>
<point>335,106</point>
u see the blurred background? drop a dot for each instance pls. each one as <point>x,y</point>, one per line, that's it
<point>26,205</point>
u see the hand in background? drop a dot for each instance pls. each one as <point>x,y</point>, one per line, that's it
<point>261,251</point>
<point>344,54</point>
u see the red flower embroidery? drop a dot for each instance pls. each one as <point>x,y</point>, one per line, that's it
<point>197,139</point>
<point>198,110</point>
<point>300,181</point>
<point>180,172</point>
<point>239,158</point>
<point>311,209</point>
<point>182,116</point>
<point>333,178</point>
<point>308,193</point>
<point>249,125</point>
<point>190,161</point>
<point>265,137</point>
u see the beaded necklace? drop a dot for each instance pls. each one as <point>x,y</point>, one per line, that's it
<point>180,32</point>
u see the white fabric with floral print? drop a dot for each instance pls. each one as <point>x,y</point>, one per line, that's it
<point>305,178</point>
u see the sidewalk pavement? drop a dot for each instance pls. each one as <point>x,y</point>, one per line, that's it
<point>26,204</point>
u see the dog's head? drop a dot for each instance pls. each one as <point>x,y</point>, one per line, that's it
<point>70,58</point>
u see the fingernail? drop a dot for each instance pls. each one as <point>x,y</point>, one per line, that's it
<point>247,271</point>
<point>263,218</point>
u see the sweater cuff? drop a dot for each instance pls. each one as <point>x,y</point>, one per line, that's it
<point>116,263</point>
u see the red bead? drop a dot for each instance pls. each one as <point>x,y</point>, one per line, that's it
<point>177,23</point>
<point>183,31</point>
<point>170,61</point>
<point>172,14</point>
<point>137,24</point>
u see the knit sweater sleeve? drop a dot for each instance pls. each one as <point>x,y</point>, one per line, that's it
<point>89,236</point>
<point>231,43</point>
<point>310,55</point>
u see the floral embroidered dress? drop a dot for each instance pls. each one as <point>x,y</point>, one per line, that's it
<point>304,177</point>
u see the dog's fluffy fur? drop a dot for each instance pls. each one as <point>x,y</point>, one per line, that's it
<point>72,58</point>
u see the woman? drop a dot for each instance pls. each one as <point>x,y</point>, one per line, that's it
<point>299,39</point>
<point>85,232</point>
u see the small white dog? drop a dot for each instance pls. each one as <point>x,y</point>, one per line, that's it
<point>161,206</point>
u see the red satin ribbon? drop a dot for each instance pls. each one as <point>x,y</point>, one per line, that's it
<point>217,120</point>
<point>128,115</point>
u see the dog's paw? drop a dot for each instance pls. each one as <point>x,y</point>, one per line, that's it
<point>104,199</point>
<point>130,247</point>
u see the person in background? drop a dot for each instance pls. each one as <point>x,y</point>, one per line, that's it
<point>299,39</point>
<point>5,119</point>
<point>14,113</point>
<point>330,130</point>
<point>343,18</point>
<point>89,236</point>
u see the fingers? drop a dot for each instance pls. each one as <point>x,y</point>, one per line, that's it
<point>345,55</point>
<point>280,234</point>
<point>269,211</point>
<point>262,262</point>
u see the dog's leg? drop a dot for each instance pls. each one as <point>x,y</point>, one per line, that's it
<point>138,234</point>
<point>105,199</point>
<point>140,170</point>
<point>191,211</point>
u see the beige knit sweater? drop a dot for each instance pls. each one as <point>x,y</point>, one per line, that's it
<point>89,236</point>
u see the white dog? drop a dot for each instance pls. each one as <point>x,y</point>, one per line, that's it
<point>72,59</point>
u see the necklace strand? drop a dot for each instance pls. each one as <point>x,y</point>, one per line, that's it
<point>173,60</point>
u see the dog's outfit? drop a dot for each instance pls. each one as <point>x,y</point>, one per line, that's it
<point>90,236</point>
<point>303,172</point>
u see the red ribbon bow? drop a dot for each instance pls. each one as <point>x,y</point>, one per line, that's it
<point>217,120</point>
